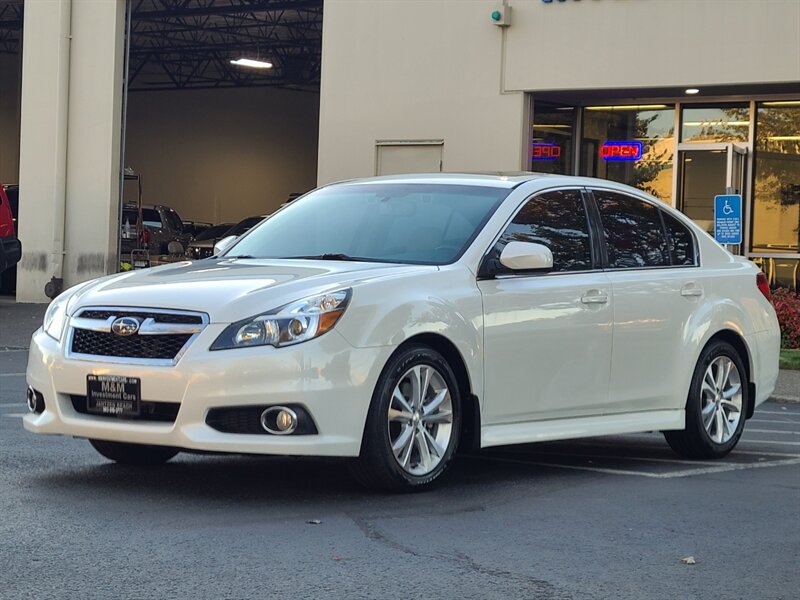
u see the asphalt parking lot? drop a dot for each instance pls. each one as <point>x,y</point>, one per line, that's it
<point>596,518</point>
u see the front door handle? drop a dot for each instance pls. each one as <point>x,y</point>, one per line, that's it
<point>594,297</point>
<point>691,290</point>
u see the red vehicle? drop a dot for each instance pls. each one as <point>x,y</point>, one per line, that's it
<point>10,246</point>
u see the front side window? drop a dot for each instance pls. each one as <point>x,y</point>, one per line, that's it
<point>557,220</point>
<point>633,231</point>
<point>413,223</point>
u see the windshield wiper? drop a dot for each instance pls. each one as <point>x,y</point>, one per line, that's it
<point>329,256</point>
<point>240,256</point>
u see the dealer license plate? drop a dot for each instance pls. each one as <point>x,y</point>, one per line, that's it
<point>113,395</point>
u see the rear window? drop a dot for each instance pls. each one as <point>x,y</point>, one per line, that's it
<point>151,218</point>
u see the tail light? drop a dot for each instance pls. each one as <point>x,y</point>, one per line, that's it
<point>146,237</point>
<point>763,286</point>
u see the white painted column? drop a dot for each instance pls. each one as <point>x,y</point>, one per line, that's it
<point>72,72</point>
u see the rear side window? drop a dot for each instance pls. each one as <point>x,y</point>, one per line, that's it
<point>633,231</point>
<point>557,220</point>
<point>681,241</point>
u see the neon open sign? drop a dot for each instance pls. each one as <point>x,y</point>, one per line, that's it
<point>545,151</point>
<point>621,151</point>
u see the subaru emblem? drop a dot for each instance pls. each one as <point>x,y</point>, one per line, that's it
<point>125,326</point>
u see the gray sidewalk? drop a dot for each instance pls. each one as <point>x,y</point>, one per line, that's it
<point>19,321</point>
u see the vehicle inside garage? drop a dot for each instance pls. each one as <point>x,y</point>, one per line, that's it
<point>219,119</point>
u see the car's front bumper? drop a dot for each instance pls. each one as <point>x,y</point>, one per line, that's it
<point>330,378</point>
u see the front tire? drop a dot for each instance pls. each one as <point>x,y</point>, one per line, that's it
<point>413,424</point>
<point>134,454</point>
<point>716,406</point>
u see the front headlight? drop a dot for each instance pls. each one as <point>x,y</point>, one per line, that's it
<point>293,323</point>
<point>56,317</point>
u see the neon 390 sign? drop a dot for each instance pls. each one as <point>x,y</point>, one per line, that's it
<point>621,150</point>
<point>545,151</point>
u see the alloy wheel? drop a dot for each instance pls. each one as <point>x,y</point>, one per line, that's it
<point>721,399</point>
<point>420,420</point>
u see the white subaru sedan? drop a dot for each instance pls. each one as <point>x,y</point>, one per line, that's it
<point>396,319</point>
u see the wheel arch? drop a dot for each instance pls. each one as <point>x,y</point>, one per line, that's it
<point>740,345</point>
<point>469,438</point>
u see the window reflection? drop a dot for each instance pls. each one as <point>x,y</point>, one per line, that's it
<point>551,139</point>
<point>653,127</point>
<point>557,220</point>
<point>776,194</point>
<point>633,231</point>
<point>716,124</point>
<point>681,241</point>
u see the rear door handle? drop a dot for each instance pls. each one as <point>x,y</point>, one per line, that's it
<point>691,290</point>
<point>594,297</point>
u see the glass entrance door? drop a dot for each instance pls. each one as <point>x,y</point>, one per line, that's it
<point>705,171</point>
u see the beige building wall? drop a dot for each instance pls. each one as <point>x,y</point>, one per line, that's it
<point>414,70</point>
<point>10,70</point>
<point>650,43</point>
<point>222,155</point>
<point>440,69</point>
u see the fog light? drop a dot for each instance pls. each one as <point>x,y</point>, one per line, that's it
<point>34,400</point>
<point>279,420</point>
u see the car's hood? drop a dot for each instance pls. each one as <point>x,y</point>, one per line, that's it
<point>230,289</point>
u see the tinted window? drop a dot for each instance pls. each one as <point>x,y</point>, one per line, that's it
<point>244,226</point>
<point>174,220</point>
<point>151,218</point>
<point>385,222</point>
<point>213,232</point>
<point>633,231</point>
<point>681,241</point>
<point>557,220</point>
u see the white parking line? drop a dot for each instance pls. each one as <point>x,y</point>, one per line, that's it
<point>773,431</point>
<point>685,473</point>
<point>15,415</point>
<point>770,442</point>
<point>784,422</point>
<point>618,457</point>
<point>11,374</point>
<point>784,413</point>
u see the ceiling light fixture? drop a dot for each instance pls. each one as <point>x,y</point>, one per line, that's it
<point>716,122</point>
<point>692,91</point>
<point>251,62</point>
<point>629,107</point>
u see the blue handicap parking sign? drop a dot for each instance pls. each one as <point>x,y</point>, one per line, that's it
<point>728,219</point>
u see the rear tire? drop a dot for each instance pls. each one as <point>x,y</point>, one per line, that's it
<point>134,454</point>
<point>716,405</point>
<point>413,425</point>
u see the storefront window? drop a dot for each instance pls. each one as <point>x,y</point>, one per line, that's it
<point>552,138</point>
<point>776,197</point>
<point>715,124</point>
<point>630,144</point>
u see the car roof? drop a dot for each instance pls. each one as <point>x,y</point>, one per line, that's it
<point>498,179</point>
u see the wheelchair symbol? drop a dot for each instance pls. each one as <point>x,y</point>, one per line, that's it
<point>727,208</point>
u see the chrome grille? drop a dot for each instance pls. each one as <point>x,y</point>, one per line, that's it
<point>162,337</point>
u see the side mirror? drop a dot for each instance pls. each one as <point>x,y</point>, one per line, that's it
<point>224,244</point>
<point>526,256</point>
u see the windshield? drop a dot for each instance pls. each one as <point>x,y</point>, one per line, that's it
<point>381,222</point>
